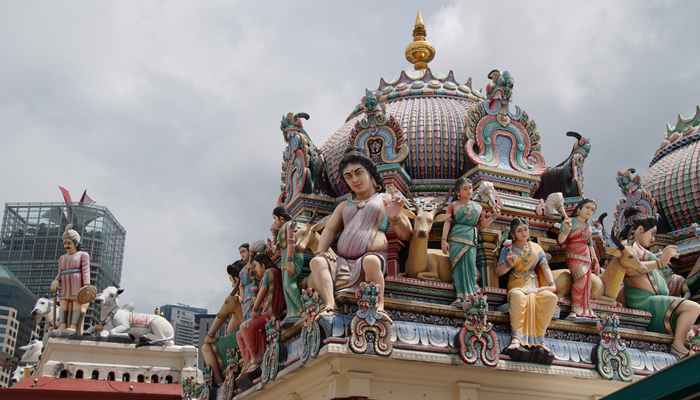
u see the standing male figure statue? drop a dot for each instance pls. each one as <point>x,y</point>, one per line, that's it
<point>73,283</point>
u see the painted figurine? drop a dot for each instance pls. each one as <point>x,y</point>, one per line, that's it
<point>246,279</point>
<point>290,262</point>
<point>459,239</point>
<point>575,236</point>
<point>531,289</point>
<point>269,303</point>
<point>647,290</point>
<point>362,222</point>
<point>73,277</point>
<point>230,310</point>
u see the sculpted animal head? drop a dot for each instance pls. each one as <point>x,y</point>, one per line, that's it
<point>307,236</point>
<point>624,254</point>
<point>108,297</point>
<point>42,308</point>
<point>423,214</point>
<point>486,194</point>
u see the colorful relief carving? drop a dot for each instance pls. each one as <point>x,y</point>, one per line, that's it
<point>496,137</point>
<point>478,341</point>
<point>612,358</point>
<point>311,331</point>
<point>378,136</point>
<point>370,326</point>
<point>271,358</point>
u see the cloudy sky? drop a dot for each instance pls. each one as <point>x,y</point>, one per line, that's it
<point>168,112</point>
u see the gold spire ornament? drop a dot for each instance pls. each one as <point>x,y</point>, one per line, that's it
<point>420,52</point>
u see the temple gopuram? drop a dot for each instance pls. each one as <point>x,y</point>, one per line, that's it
<point>476,270</point>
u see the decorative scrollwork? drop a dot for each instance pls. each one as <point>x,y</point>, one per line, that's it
<point>494,132</point>
<point>379,136</point>
<point>612,357</point>
<point>477,339</point>
<point>271,357</point>
<point>370,329</point>
<point>311,332</point>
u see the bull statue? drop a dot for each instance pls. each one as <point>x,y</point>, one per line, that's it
<point>115,321</point>
<point>567,176</point>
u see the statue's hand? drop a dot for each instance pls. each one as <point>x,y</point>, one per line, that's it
<point>393,204</point>
<point>291,232</point>
<point>54,286</point>
<point>566,224</point>
<point>669,253</point>
<point>445,247</point>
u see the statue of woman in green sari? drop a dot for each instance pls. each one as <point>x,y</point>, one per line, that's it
<point>460,236</point>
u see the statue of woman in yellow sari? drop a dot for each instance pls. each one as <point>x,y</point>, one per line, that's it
<point>531,291</point>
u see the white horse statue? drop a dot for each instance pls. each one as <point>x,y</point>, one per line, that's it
<point>30,357</point>
<point>146,329</point>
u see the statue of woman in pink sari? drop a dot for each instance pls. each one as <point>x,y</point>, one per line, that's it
<point>361,222</point>
<point>269,303</point>
<point>575,236</point>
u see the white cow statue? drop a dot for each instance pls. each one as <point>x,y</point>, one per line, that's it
<point>32,351</point>
<point>116,321</point>
<point>44,308</point>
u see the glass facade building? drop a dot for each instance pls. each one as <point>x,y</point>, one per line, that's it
<point>31,241</point>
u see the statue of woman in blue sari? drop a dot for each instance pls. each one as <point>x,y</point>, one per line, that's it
<point>460,236</point>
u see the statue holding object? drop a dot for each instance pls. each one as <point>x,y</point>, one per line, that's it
<point>459,237</point>
<point>531,294</point>
<point>361,222</point>
<point>73,284</point>
<point>647,290</point>
<point>575,236</point>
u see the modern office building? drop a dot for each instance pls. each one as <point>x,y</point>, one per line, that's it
<point>31,241</point>
<point>16,324</point>
<point>181,316</point>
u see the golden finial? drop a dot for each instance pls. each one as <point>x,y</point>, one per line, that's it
<point>420,52</point>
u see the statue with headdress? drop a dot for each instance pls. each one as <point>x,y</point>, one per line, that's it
<point>72,284</point>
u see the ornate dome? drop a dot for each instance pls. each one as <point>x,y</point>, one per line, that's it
<point>674,173</point>
<point>431,113</point>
